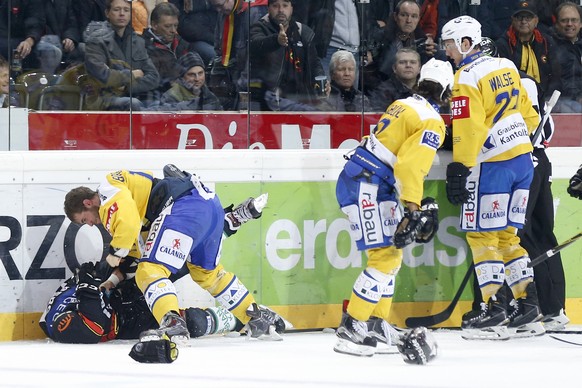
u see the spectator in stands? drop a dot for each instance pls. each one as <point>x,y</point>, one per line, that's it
<point>189,92</point>
<point>196,25</point>
<point>61,38</point>
<point>401,30</point>
<point>546,14</point>
<point>87,11</point>
<point>116,56</point>
<point>569,53</point>
<point>429,17</point>
<point>401,83</point>
<point>338,25</point>
<point>448,10</point>
<point>231,40</point>
<point>4,83</point>
<point>284,59</point>
<point>164,45</point>
<point>343,96</point>
<point>21,26</point>
<point>141,11</point>
<point>530,49</point>
<point>495,17</point>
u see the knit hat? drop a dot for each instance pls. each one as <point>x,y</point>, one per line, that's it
<point>189,60</point>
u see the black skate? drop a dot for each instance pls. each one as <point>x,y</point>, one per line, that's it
<point>354,339</point>
<point>525,316</point>
<point>251,208</point>
<point>385,334</point>
<point>490,322</point>
<point>173,326</point>
<point>556,321</point>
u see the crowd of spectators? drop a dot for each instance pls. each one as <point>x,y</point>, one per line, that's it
<point>205,54</point>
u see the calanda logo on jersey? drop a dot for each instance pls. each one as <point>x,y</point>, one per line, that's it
<point>495,212</point>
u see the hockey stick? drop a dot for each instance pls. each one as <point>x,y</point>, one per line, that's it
<point>549,106</point>
<point>546,255</point>
<point>565,341</point>
<point>432,320</point>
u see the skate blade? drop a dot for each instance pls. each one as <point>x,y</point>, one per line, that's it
<point>347,347</point>
<point>493,333</point>
<point>533,329</point>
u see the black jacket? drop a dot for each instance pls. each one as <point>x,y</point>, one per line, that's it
<point>25,18</point>
<point>270,61</point>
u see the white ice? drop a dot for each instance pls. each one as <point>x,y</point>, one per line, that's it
<point>302,360</point>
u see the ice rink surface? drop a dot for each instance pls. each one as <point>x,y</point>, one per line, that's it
<point>303,359</point>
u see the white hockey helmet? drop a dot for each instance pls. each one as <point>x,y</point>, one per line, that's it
<point>438,71</point>
<point>462,27</point>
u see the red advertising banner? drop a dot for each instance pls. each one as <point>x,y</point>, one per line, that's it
<point>155,130</point>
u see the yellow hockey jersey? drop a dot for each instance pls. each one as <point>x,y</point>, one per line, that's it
<point>124,197</point>
<point>406,138</point>
<point>492,115</point>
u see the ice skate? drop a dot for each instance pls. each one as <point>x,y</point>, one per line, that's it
<point>556,321</point>
<point>385,334</point>
<point>354,339</point>
<point>488,323</point>
<point>525,316</point>
<point>251,208</point>
<point>173,326</point>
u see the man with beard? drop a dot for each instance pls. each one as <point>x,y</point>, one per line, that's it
<point>284,60</point>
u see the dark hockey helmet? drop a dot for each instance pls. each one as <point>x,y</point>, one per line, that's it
<point>488,47</point>
<point>418,346</point>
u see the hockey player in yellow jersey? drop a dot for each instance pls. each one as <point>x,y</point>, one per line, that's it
<point>384,174</point>
<point>492,168</point>
<point>184,222</point>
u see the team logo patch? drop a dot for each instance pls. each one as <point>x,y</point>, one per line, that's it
<point>493,211</point>
<point>174,248</point>
<point>431,139</point>
<point>460,108</point>
<point>518,206</point>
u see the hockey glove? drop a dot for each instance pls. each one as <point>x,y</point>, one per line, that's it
<point>408,228</point>
<point>456,183</point>
<point>429,220</point>
<point>418,346</point>
<point>162,351</point>
<point>87,281</point>
<point>262,323</point>
<point>575,186</point>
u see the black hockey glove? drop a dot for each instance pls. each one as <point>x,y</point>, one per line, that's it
<point>162,351</point>
<point>575,186</point>
<point>87,281</point>
<point>407,228</point>
<point>456,183</point>
<point>261,321</point>
<point>429,220</point>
